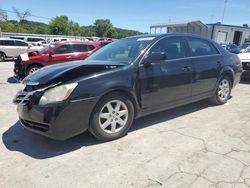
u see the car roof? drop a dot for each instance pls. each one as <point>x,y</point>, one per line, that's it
<point>158,36</point>
<point>78,42</point>
<point>12,39</point>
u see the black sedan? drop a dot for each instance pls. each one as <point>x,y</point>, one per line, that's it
<point>124,80</point>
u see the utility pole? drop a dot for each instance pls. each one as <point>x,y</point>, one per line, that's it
<point>224,10</point>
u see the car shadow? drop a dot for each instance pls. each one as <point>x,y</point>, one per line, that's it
<point>13,80</point>
<point>16,138</point>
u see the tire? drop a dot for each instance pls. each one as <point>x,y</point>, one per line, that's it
<point>223,91</point>
<point>2,56</point>
<point>109,121</point>
<point>32,69</point>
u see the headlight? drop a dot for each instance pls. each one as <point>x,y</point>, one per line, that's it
<point>57,94</point>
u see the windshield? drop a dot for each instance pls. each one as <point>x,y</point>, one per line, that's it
<point>124,50</point>
<point>42,50</point>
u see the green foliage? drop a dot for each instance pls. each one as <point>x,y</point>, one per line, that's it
<point>61,25</point>
<point>24,27</point>
<point>111,33</point>
<point>102,26</point>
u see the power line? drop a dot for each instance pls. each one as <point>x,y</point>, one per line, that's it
<point>35,16</point>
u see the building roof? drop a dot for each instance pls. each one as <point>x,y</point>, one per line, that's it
<point>177,24</point>
<point>225,25</point>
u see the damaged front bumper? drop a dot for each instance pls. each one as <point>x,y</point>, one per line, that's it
<point>19,69</point>
<point>58,121</point>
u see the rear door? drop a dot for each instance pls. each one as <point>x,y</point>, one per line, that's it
<point>207,62</point>
<point>167,82</point>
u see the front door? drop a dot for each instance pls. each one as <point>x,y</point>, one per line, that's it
<point>166,82</point>
<point>61,54</point>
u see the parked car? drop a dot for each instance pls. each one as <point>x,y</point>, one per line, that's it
<point>60,52</point>
<point>233,48</point>
<point>32,40</point>
<point>245,59</point>
<point>10,48</point>
<point>125,80</point>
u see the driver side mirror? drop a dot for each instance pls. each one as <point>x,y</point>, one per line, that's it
<point>154,58</point>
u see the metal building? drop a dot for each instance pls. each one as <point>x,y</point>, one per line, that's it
<point>195,27</point>
<point>222,33</point>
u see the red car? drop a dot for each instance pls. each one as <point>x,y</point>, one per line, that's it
<point>61,52</point>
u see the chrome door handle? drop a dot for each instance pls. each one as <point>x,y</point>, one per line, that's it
<point>69,57</point>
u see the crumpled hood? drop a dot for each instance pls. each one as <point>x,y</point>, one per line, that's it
<point>68,71</point>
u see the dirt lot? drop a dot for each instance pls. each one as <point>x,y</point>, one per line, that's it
<point>198,145</point>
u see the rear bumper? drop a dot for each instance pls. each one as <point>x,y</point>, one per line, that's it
<point>58,121</point>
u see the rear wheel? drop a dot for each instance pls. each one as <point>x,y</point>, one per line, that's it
<point>223,91</point>
<point>32,69</point>
<point>112,117</point>
<point>2,57</point>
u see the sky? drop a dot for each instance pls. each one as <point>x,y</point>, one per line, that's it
<point>134,14</point>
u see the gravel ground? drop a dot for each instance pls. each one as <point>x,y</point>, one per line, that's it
<point>197,145</point>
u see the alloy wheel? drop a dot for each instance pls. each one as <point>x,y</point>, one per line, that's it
<point>224,89</point>
<point>113,116</point>
<point>33,70</point>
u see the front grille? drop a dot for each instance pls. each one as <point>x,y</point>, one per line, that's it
<point>246,65</point>
<point>36,126</point>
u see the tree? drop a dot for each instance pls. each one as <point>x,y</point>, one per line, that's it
<point>74,28</point>
<point>59,25</point>
<point>3,15</point>
<point>102,26</point>
<point>111,33</point>
<point>22,15</point>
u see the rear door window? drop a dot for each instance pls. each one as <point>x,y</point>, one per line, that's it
<point>80,48</point>
<point>200,47</point>
<point>63,49</point>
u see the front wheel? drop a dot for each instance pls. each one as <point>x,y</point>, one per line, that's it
<point>32,69</point>
<point>112,117</point>
<point>223,91</point>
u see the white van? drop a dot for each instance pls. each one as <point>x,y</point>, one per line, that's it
<point>31,40</point>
